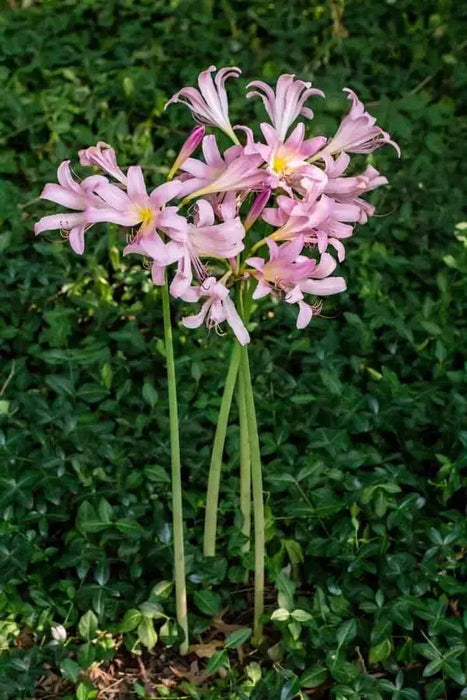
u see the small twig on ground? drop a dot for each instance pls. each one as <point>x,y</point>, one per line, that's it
<point>149,688</point>
<point>8,379</point>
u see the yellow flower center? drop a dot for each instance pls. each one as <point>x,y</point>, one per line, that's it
<point>147,215</point>
<point>272,271</point>
<point>279,163</point>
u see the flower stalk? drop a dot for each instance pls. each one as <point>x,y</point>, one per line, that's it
<point>177,508</point>
<point>245,465</point>
<point>212,497</point>
<point>258,505</point>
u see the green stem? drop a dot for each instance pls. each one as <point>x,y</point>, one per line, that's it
<point>177,509</point>
<point>212,497</point>
<point>258,505</point>
<point>245,469</point>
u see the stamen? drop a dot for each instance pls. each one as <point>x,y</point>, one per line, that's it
<point>131,236</point>
<point>80,179</point>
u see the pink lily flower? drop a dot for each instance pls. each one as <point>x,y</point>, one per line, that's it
<point>232,173</point>
<point>204,238</point>
<point>75,195</point>
<point>102,156</point>
<point>286,103</point>
<point>320,219</point>
<point>298,217</point>
<point>337,225</point>
<point>190,145</point>
<point>295,274</point>
<point>358,132</point>
<point>217,308</point>
<point>209,104</point>
<point>287,160</point>
<point>349,189</point>
<point>135,206</point>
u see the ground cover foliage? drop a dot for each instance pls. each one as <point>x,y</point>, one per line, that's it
<point>362,416</point>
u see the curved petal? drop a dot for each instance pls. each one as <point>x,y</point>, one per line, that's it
<point>65,179</point>
<point>304,315</point>
<point>324,287</point>
<point>114,197</point>
<point>164,193</point>
<point>94,214</point>
<point>196,320</point>
<point>57,222</point>
<point>205,213</point>
<point>235,322</point>
<point>211,152</point>
<point>158,274</point>
<point>325,267</point>
<point>63,196</point>
<point>135,186</point>
<point>262,289</point>
<point>76,239</point>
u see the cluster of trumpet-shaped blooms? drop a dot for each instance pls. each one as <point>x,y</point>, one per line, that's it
<point>199,223</point>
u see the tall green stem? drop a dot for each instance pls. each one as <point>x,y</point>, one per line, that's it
<point>212,498</point>
<point>177,509</point>
<point>245,468</point>
<point>258,505</point>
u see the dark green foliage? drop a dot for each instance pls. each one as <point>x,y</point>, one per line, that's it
<point>362,416</point>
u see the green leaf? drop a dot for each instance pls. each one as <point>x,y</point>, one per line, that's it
<point>87,626</point>
<point>153,610</point>
<point>218,660</point>
<point>157,474</point>
<point>88,520</point>
<point>70,670</point>
<point>146,633</point>
<point>453,670</point>
<point>435,690</point>
<point>286,591</point>
<point>301,615</point>
<point>237,638</point>
<point>129,527</point>
<point>290,689</point>
<point>87,654</point>
<point>150,395</point>
<point>294,551</point>
<point>280,615</point>
<point>433,667</point>
<point>381,651</point>
<point>162,590</point>
<point>105,511</point>
<point>295,629</point>
<point>168,633</point>
<point>208,602</point>
<point>313,677</point>
<point>131,620</point>
<point>346,632</point>
<point>82,692</point>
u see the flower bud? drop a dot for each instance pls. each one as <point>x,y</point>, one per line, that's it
<point>102,156</point>
<point>257,208</point>
<point>190,145</point>
<point>59,633</point>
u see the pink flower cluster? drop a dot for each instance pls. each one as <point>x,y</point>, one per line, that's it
<point>201,219</point>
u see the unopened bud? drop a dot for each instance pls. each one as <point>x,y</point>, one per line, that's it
<point>102,156</point>
<point>257,208</point>
<point>190,145</point>
<point>59,633</point>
